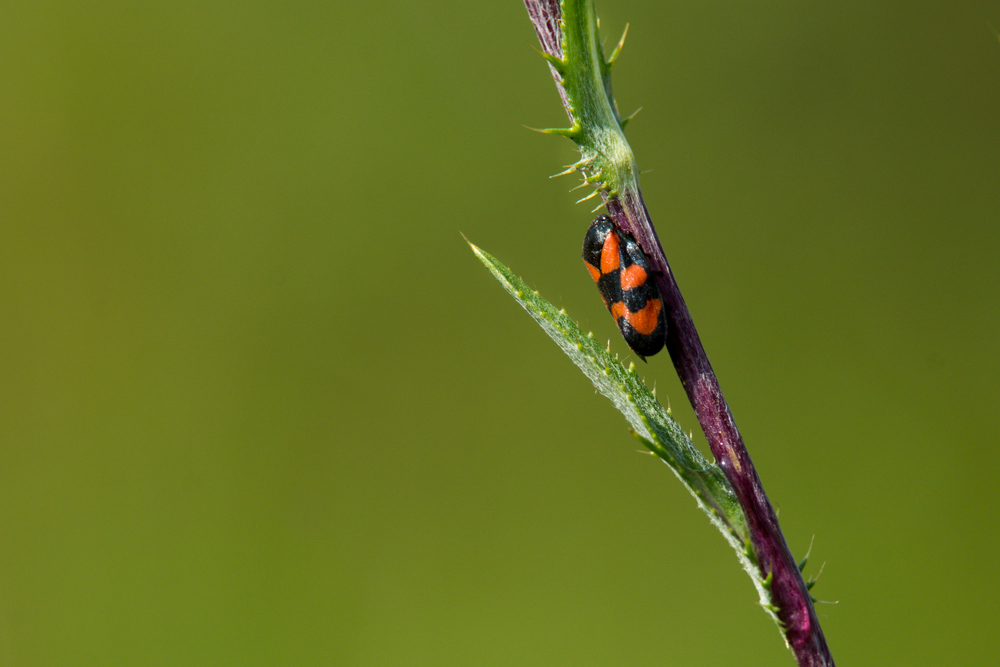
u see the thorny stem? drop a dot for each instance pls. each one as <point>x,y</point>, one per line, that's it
<point>790,596</point>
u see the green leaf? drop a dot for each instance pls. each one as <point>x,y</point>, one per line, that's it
<point>650,422</point>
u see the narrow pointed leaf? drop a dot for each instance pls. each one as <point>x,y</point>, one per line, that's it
<point>650,422</point>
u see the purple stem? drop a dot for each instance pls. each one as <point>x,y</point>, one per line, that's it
<point>788,591</point>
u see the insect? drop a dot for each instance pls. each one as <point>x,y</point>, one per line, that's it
<point>623,276</point>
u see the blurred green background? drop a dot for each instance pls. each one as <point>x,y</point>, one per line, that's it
<point>260,405</point>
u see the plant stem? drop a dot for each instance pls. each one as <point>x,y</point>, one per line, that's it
<point>794,607</point>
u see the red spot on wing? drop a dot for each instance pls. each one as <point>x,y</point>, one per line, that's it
<point>595,272</point>
<point>618,309</point>
<point>645,320</point>
<point>633,276</point>
<point>610,259</point>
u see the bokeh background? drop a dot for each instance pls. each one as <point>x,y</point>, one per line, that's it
<point>259,404</point>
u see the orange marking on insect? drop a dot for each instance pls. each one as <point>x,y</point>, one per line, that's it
<point>645,320</point>
<point>595,272</point>
<point>609,254</point>
<point>633,276</point>
<point>618,309</point>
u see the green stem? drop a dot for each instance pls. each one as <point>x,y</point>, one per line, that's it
<point>568,32</point>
